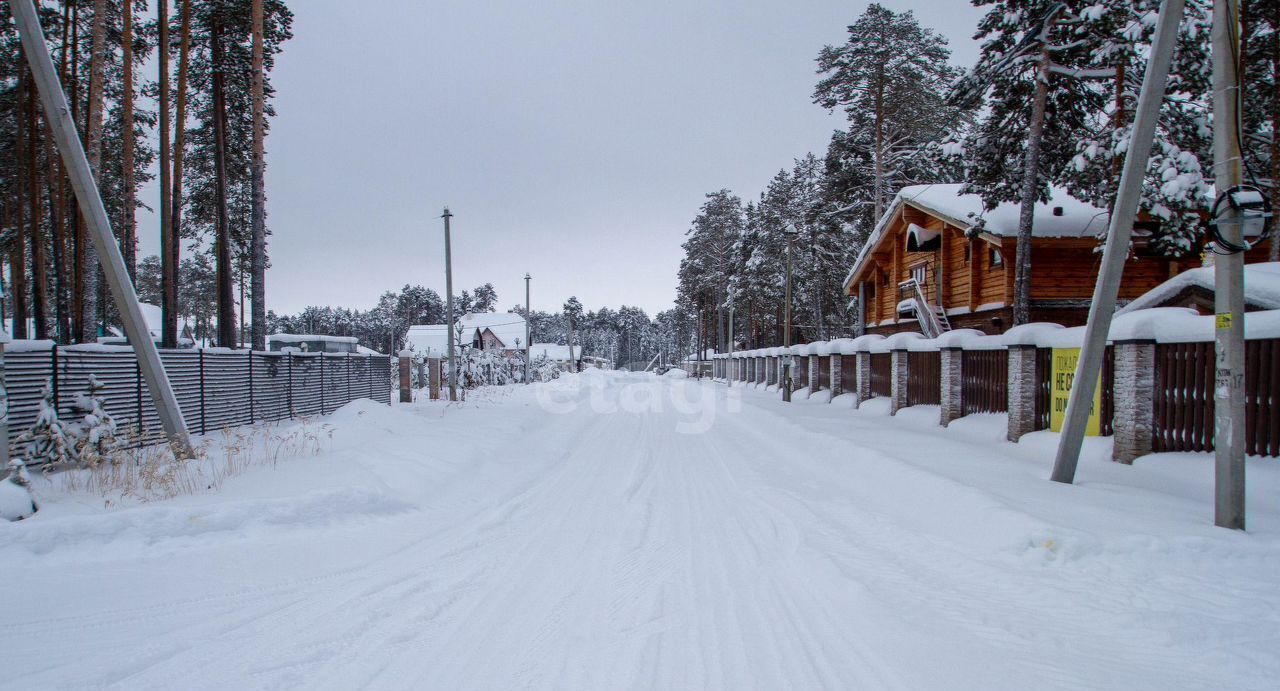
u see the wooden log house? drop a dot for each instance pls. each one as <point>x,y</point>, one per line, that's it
<point>938,261</point>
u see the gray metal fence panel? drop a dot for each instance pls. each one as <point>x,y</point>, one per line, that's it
<point>305,383</point>
<point>270,386</point>
<point>215,388</point>
<point>226,389</point>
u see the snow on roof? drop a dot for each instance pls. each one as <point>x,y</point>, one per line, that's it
<point>553,352</point>
<point>434,338</point>
<point>1078,220</point>
<point>1261,287</point>
<point>299,338</point>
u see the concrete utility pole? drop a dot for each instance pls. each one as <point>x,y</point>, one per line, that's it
<point>1102,309</point>
<point>527,314</point>
<point>1228,302</point>
<point>58,114</point>
<point>448,288</point>
<point>791,232</point>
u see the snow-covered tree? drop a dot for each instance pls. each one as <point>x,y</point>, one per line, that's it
<point>48,442</point>
<point>1038,84</point>
<point>1175,192</point>
<point>95,434</point>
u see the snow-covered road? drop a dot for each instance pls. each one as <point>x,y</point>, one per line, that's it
<point>613,531</point>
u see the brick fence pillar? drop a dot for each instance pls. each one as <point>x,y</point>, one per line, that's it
<point>815,375</point>
<point>1022,391</point>
<point>863,363</point>
<point>1134,395</point>
<point>406,377</point>
<point>952,404</point>
<point>836,384</point>
<point>898,383</point>
<point>433,376</point>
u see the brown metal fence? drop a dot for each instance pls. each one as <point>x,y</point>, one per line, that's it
<point>881,374</point>
<point>1108,395</point>
<point>801,371</point>
<point>1184,406</point>
<point>824,372</point>
<point>1261,388</point>
<point>924,378</point>
<point>984,381</point>
<point>1044,370</point>
<point>849,373</point>
<point>1183,415</point>
<point>215,388</point>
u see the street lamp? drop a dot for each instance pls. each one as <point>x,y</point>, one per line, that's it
<point>527,315</point>
<point>448,290</point>
<point>790,232</point>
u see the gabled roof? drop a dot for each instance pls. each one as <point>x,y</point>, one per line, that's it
<point>1261,287</point>
<point>433,338</point>
<point>1078,219</point>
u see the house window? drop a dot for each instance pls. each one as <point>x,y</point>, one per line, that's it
<point>994,258</point>
<point>871,290</point>
<point>968,248</point>
<point>920,274</point>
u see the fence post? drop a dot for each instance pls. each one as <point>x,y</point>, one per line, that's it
<point>1134,399</point>
<point>406,377</point>
<point>862,360</point>
<point>951,384</point>
<point>898,381</point>
<point>137,389</point>
<point>53,380</point>
<point>253,417</point>
<point>837,385</point>
<point>202,393</point>
<point>815,374</point>
<point>1022,391</point>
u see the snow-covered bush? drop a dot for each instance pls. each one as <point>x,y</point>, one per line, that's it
<point>16,502</point>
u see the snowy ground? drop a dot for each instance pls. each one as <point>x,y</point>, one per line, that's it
<point>613,531</point>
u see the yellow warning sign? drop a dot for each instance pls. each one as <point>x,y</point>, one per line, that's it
<point>1061,377</point>
<point>1223,321</point>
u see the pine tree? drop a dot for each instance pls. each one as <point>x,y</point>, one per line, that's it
<point>891,76</point>
<point>1035,56</point>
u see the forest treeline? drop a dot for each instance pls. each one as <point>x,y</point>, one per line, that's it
<point>1048,103</point>
<point>175,89</point>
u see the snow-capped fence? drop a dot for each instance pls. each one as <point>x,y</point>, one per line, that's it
<point>1155,392</point>
<point>215,387</point>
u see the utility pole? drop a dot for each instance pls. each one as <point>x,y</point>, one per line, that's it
<point>1102,309</point>
<point>527,314</point>
<point>1228,263</point>
<point>89,198</point>
<point>448,289</point>
<point>791,232</point>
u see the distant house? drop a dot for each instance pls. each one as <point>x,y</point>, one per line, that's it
<point>501,331</point>
<point>312,343</point>
<point>1194,288</point>
<point>559,355</point>
<point>937,261</point>
<point>154,318</point>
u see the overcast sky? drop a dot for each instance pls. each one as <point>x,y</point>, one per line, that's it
<point>572,140</point>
